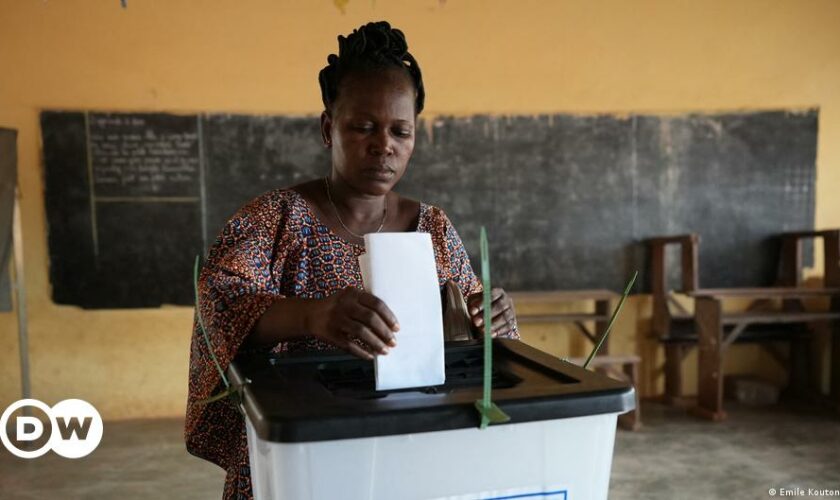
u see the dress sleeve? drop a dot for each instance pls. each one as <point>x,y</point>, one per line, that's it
<point>236,287</point>
<point>454,262</point>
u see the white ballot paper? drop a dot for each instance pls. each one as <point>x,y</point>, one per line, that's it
<point>399,268</point>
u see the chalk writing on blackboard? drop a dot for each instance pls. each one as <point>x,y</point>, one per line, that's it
<point>141,158</point>
<point>137,156</point>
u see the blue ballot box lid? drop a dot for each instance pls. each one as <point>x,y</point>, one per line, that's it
<point>305,397</point>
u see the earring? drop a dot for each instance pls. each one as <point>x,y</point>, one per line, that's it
<point>327,144</point>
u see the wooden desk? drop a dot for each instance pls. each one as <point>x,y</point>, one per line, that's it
<point>713,330</point>
<point>623,367</point>
<point>710,321</point>
<point>601,316</point>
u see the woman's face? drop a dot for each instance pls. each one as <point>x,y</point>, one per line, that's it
<point>372,129</point>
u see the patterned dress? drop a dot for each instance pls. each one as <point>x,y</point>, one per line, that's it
<point>276,247</point>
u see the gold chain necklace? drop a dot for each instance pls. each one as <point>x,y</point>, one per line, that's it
<point>335,210</point>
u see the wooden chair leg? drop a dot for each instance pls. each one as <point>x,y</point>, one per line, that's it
<point>632,421</point>
<point>673,373</point>
<point>798,383</point>
<point>707,314</point>
<point>835,356</point>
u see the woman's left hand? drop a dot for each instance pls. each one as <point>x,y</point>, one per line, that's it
<point>501,311</point>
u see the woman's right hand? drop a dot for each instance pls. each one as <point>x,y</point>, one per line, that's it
<point>352,314</point>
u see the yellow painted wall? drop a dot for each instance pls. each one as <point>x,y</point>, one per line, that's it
<point>478,56</point>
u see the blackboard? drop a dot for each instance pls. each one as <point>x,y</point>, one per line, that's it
<point>567,199</point>
<point>8,181</point>
<point>123,200</point>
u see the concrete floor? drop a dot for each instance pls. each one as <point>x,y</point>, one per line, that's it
<point>674,456</point>
<point>678,456</point>
<point>137,459</point>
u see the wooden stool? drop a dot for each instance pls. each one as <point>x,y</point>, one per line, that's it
<point>623,367</point>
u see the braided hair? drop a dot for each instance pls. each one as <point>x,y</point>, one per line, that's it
<point>373,46</point>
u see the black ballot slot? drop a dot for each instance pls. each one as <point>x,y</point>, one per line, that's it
<point>331,395</point>
<point>463,365</point>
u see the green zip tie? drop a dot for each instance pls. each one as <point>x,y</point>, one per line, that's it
<point>204,332</point>
<point>217,397</point>
<point>612,320</point>
<point>490,413</point>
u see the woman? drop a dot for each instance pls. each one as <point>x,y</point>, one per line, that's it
<point>284,273</point>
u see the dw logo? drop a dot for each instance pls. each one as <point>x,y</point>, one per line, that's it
<point>75,428</point>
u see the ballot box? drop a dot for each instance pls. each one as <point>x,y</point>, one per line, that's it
<point>317,428</point>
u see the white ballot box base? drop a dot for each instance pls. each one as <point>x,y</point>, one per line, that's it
<point>566,459</point>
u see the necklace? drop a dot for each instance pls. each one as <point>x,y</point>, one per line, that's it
<point>337,216</point>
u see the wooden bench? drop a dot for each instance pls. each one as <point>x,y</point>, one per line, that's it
<point>624,367</point>
<point>712,330</point>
